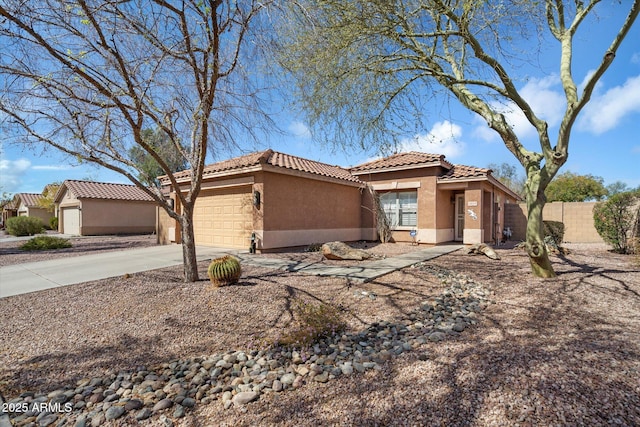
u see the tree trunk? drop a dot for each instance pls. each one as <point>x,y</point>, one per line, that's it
<point>536,248</point>
<point>190,261</point>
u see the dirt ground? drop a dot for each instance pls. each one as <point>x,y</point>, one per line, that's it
<point>562,351</point>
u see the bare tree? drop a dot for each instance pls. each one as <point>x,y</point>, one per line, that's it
<point>365,71</point>
<point>87,77</point>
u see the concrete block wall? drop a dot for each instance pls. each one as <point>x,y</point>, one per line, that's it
<point>577,218</point>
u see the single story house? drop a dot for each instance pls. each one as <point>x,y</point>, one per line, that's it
<point>278,200</point>
<point>9,210</point>
<point>96,208</point>
<point>26,204</point>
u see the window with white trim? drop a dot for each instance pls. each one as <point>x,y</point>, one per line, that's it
<point>401,208</point>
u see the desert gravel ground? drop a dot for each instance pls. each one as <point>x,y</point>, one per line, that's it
<point>562,351</point>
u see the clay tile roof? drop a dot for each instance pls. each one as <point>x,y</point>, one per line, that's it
<point>272,158</point>
<point>304,165</point>
<point>401,160</point>
<point>104,190</point>
<point>464,172</point>
<point>29,199</point>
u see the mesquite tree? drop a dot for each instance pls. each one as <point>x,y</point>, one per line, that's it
<point>366,70</point>
<point>89,77</point>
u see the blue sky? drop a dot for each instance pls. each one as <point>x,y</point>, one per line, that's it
<point>605,140</point>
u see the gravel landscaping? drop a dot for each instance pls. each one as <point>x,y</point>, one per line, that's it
<point>458,340</point>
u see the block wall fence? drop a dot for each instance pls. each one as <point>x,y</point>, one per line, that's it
<point>577,218</point>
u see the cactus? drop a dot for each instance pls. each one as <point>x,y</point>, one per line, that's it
<point>225,270</point>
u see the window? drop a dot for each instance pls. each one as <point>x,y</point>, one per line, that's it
<point>401,208</point>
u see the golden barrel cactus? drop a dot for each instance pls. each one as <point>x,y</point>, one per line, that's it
<point>225,270</point>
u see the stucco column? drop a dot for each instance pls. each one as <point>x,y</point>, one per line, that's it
<point>473,230</point>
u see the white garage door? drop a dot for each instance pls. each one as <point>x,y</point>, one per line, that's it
<point>224,218</point>
<point>71,221</point>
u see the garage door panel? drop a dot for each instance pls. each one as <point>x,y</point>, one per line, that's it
<point>224,218</point>
<point>71,220</point>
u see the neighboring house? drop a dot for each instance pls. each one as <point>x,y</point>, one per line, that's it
<point>94,208</point>
<point>281,200</point>
<point>26,204</point>
<point>9,210</point>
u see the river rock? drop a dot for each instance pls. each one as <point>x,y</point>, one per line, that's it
<point>244,397</point>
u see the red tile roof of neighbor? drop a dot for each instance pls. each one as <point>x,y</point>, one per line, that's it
<point>408,160</point>
<point>28,199</point>
<point>275,159</point>
<point>104,190</point>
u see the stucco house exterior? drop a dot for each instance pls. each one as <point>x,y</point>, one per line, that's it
<point>281,200</point>
<point>278,200</point>
<point>433,201</point>
<point>26,204</point>
<point>88,208</point>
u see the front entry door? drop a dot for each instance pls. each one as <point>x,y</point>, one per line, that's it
<point>459,224</point>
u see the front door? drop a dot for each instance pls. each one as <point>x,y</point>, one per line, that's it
<point>459,223</point>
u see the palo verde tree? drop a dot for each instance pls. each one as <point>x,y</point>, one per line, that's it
<point>88,77</point>
<point>366,69</point>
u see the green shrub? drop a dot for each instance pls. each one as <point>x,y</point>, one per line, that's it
<point>24,226</point>
<point>53,223</point>
<point>225,270</point>
<point>314,247</point>
<point>313,322</point>
<point>616,218</point>
<point>554,229</point>
<point>43,243</point>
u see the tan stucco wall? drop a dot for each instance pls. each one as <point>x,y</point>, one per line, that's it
<point>298,211</point>
<point>434,220</point>
<point>42,214</point>
<point>577,218</point>
<point>167,229</point>
<point>116,217</point>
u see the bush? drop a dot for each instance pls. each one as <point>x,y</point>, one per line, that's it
<point>616,219</point>
<point>53,223</point>
<point>314,247</point>
<point>43,243</point>
<point>314,322</point>
<point>24,226</point>
<point>554,229</point>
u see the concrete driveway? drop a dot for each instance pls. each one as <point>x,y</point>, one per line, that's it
<point>36,276</point>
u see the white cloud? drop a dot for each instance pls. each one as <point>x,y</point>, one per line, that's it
<point>443,138</point>
<point>299,130</point>
<point>606,110</point>
<point>11,172</point>
<point>545,99</point>
<point>635,58</point>
<point>51,167</point>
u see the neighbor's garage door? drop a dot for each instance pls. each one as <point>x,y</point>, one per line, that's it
<point>71,221</point>
<point>224,217</point>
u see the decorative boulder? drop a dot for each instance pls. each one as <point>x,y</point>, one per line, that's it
<point>341,251</point>
<point>481,248</point>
